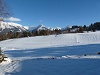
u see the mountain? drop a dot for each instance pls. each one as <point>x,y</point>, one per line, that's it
<point>41,27</point>
<point>37,28</point>
<point>10,26</point>
<point>30,28</point>
<point>6,27</point>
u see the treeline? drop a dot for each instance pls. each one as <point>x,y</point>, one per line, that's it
<point>76,29</point>
<point>81,29</point>
<point>11,35</point>
<point>94,27</point>
<point>73,29</point>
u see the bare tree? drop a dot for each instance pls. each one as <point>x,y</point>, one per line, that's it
<point>4,10</point>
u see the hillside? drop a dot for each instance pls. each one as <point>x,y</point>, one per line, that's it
<point>53,41</point>
<point>65,54</point>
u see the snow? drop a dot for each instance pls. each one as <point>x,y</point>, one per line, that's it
<point>65,54</point>
<point>53,41</point>
<point>58,28</point>
<point>10,26</point>
<point>30,28</point>
<point>34,28</point>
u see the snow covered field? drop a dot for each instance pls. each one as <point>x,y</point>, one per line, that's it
<point>65,54</point>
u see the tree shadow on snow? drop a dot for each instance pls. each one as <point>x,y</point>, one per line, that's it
<point>56,51</point>
<point>57,67</point>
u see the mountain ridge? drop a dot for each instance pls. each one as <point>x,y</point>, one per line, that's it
<point>6,27</point>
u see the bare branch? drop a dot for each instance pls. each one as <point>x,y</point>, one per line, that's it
<point>4,9</point>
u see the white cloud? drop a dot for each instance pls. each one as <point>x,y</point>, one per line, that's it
<point>13,19</point>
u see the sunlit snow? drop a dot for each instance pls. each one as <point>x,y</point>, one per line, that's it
<point>65,54</point>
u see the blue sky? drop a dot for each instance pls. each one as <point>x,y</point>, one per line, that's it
<point>55,13</point>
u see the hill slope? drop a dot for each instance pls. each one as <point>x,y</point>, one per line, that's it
<point>53,55</point>
<point>52,41</point>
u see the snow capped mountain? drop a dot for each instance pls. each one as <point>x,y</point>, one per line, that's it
<point>10,26</point>
<point>41,27</point>
<point>58,28</point>
<point>37,28</point>
<point>30,28</point>
<point>6,27</point>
